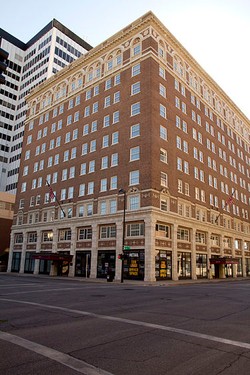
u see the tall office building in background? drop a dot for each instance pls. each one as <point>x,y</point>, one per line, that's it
<point>29,64</point>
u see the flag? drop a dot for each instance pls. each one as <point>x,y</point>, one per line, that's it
<point>230,200</point>
<point>51,194</point>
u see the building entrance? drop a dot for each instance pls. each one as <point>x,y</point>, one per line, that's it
<point>134,265</point>
<point>105,263</point>
<point>83,263</point>
<point>163,265</point>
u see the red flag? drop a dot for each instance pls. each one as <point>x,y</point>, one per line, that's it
<point>51,193</point>
<point>229,200</point>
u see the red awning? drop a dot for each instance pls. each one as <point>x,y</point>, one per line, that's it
<point>224,261</point>
<point>53,256</point>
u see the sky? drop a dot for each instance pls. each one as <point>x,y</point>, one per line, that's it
<point>215,32</point>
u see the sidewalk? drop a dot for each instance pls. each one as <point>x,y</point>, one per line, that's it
<point>168,283</point>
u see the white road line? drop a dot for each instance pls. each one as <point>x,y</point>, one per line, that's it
<point>37,291</point>
<point>221,340</point>
<point>65,359</point>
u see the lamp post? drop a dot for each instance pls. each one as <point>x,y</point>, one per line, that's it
<point>122,191</point>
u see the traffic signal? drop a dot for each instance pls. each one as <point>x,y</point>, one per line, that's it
<point>3,64</point>
<point>120,256</point>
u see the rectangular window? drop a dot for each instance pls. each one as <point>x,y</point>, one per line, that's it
<point>163,133</point>
<point>135,153</point>
<point>134,178</point>
<point>135,109</point>
<point>163,111</point>
<point>136,69</point>
<point>108,231</point>
<point>135,131</point>
<point>136,229</point>
<point>134,202</point>
<point>135,88</point>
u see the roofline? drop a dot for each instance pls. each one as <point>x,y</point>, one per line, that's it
<point>54,23</point>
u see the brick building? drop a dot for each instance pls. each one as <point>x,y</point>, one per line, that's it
<point>133,148</point>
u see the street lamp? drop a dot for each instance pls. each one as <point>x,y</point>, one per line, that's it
<point>122,191</point>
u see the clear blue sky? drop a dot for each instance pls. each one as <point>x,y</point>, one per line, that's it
<point>215,32</point>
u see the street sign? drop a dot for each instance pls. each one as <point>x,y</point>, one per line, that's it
<point>126,248</point>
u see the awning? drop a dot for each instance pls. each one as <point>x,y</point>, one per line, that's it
<point>224,261</point>
<point>53,256</point>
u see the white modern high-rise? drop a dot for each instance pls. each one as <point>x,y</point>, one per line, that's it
<point>29,64</point>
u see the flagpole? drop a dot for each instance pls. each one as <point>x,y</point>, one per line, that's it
<point>59,204</point>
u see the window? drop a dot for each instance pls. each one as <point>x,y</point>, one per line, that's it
<point>134,178</point>
<point>162,230</point>
<point>69,120</point>
<point>135,109</point>
<point>92,147</point>
<point>134,202</point>
<point>72,172</point>
<point>81,190</point>
<point>106,121</point>
<point>116,117</point>
<point>164,179</point>
<point>163,155</point>
<point>108,84</point>
<point>108,231</point>
<point>92,166</point>
<point>64,235</point>
<point>113,182</point>
<point>135,88</point>
<point>103,208</point>
<point>113,206</point>
<point>71,192</point>
<point>200,237</point>
<point>105,141</point>
<point>163,111</point>
<point>32,237</point>
<point>135,131</point>
<point>135,229</point>
<point>163,133</point>
<point>91,188</point>
<point>85,233</point>
<point>136,69</point>
<point>162,90</point>
<point>183,234</point>
<point>104,185</point>
<point>114,160</point>
<point>104,163</point>
<point>135,153</point>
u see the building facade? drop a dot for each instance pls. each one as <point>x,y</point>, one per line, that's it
<point>6,217</point>
<point>134,150</point>
<point>28,65</point>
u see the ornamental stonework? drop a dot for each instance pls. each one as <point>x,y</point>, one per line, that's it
<point>46,246</point>
<point>84,245</point>
<point>184,246</point>
<point>163,243</point>
<point>139,242</point>
<point>31,247</point>
<point>63,245</point>
<point>107,243</point>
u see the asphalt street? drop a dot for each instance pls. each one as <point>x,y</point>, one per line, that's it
<point>71,326</point>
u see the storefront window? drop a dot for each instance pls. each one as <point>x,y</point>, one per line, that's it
<point>134,265</point>
<point>16,260</point>
<point>184,265</point>
<point>201,265</point>
<point>163,265</point>
<point>105,263</point>
<point>29,262</point>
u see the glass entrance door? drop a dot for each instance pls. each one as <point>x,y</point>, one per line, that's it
<point>83,263</point>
